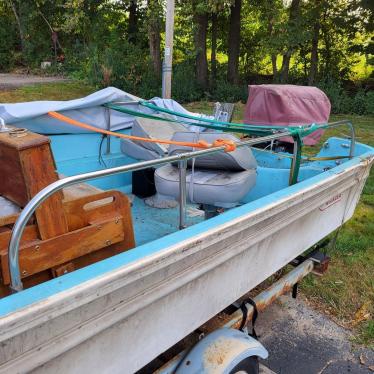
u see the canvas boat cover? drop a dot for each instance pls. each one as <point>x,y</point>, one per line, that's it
<point>33,115</point>
<point>287,105</point>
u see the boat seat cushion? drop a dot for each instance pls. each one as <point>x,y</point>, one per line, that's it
<point>137,151</point>
<point>238,160</point>
<point>214,187</point>
<point>153,129</point>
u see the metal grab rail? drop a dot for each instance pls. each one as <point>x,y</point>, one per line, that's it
<point>353,133</point>
<point>19,226</point>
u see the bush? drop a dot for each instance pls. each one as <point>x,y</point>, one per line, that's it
<point>184,85</point>
<point>230,93</point>
<point>124,66</point>
<point>370,102</point>
<point>360,103</point>
<point>8,42</point>
<point>339,99</point>
<point>341,102</point>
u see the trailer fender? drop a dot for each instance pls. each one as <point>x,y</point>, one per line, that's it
<point>220,352</point>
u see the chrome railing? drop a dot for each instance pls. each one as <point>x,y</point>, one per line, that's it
<point>19,226</point>
<point>353,133</point>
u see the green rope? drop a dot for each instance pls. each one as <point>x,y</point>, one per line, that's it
<point>303,131</point>
<point>296,132</point>
<point>295,174</point>
<point>216,125</point>
<point>245,129</point>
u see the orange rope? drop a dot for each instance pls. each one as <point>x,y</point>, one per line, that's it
<point>229,144</point>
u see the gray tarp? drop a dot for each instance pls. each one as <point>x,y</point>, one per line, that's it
<point>89,109</point>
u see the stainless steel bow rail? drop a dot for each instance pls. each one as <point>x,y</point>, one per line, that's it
<point>19,226</point>
<point>353,133</point>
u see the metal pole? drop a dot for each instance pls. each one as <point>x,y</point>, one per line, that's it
<point>277,289</point>
<point>353,134</point>
<point>107,115</point>
<point>168,57</point>
<point>182,194</point>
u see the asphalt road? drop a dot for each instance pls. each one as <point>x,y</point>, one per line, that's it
<point>301,340</point>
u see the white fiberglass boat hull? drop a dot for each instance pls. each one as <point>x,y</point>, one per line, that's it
<point>119,321</point>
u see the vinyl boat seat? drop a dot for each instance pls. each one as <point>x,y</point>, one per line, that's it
<point>219,188</point>
<point>152,129</point>
<point>221,179</point>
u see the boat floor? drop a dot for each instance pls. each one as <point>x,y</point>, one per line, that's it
<point>153,223</point>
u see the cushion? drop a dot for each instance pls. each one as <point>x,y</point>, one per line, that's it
<point>153,129</point>
<point>214,187</point>
<point>238,160</point>
<point>136,151</point>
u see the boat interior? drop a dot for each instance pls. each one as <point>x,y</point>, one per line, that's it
<point>88,222</point>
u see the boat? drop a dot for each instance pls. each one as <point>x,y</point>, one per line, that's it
<point>115,248</point>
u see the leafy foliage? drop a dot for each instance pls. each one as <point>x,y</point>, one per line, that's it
<point>120,43</point>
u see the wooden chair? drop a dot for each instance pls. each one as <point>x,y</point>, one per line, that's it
<point>71,229</point>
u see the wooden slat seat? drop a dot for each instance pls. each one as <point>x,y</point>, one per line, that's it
<point>71,229</point>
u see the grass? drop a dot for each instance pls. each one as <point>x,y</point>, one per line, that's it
<point>346,291</point>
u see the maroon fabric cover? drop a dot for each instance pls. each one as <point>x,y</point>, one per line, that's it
<point>287,105</point>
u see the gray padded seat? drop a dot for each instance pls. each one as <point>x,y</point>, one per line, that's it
<point>221,179</point>
<point>152,129</point>
<point>238,160</point>
<point>212,187</point>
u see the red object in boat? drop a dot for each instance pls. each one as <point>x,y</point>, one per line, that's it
<point>287,105</point>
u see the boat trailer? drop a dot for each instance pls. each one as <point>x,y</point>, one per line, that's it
<point>232,345</point>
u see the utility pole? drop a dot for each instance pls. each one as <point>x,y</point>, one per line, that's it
<point>168,57</point>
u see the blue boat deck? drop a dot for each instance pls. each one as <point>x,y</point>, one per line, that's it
<point>78,153</point>
<point>153,223</point>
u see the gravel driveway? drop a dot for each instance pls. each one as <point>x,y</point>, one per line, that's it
<point>9,81</point>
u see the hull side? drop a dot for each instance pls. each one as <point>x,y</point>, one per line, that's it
<point>123,319</point>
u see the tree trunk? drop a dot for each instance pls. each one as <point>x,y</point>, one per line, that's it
<point>327,53</point>
<point>294,12</point>
<point>285,69</point>
<point>327,41</point>
<point>234,43</point>
<point>274,66</point>
<point>273,56</point>
<point>154,36</point>
<point>213,57</point>
<point>133,21</point>
<point>201,21</point>
<point>314,54</point>
<point>19,24</point>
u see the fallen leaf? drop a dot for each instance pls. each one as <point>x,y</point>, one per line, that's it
<point>362,314</point>
<point>362,360</point>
